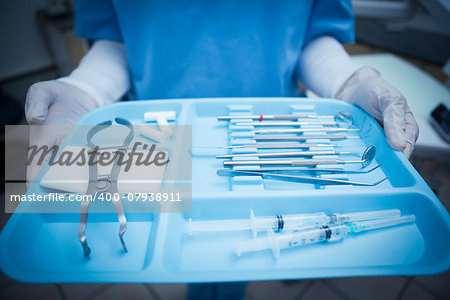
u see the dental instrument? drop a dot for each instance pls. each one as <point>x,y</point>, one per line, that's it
<point>366,159</point>
<point>282,117</point>
<point>302,130</point>
<point>285,222</point>
<point>285,154</point>
<point>104,183</point>
<point>268,146</point>
<point>329,233</point>
<point>342,118</point>
<point>303,138</point>
<point>296,170</point>
<point>295,178</point>
<point>301,123</point>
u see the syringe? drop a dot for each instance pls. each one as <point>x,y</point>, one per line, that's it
<point>286,222</point>
<point>330,233</point>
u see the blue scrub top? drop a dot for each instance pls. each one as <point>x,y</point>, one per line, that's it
<point>225,48</point>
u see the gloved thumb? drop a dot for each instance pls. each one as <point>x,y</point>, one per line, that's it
<point>39,98</point>
<point>394,125</point>
<point>411,132</point>
<point>39,136</point>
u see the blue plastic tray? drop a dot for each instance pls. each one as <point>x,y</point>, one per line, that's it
<point>45,248</point>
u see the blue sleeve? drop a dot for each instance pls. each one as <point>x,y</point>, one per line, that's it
<point>96,20</point>
<point>332,18</point>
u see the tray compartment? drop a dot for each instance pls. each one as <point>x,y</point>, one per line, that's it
<point>208,131</point>
<point>53,247</point>
<point>408,249</point>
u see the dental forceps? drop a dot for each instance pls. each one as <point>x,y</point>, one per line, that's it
<point>104,183</point>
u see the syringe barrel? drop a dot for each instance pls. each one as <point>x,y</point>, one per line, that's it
<point>294,239</point>
<point>288,222</point>
<point>299,238</point>
<point>291,222</point>
<point>258,224</point>
<point>382,223</point>
<point>361,216</point>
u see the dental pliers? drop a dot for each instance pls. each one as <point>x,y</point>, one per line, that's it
<point>104,183</point>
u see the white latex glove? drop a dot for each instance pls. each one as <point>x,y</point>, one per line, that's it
<point>58,105</point>
<point>327,70</point>
<point>101,78</point>
<point>367,89</point>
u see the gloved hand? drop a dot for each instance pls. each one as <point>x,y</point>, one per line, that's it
<point>56,103</point>
<point>367,89</point>
<point>327,70</point>
<point>101,78</point>
<point>53,103</point>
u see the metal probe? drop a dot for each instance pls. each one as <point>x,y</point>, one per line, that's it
<point>294,178</point>
<point>300,170</point>
<point>303,138</point>
<point>366,159</point>
<point>301,130</point>
<point>342,118</point>
<point>283,117</point>
<point>285,154</point>
<point>268,146</point>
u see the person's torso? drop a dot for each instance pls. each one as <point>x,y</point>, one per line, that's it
<point>185,49</point>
